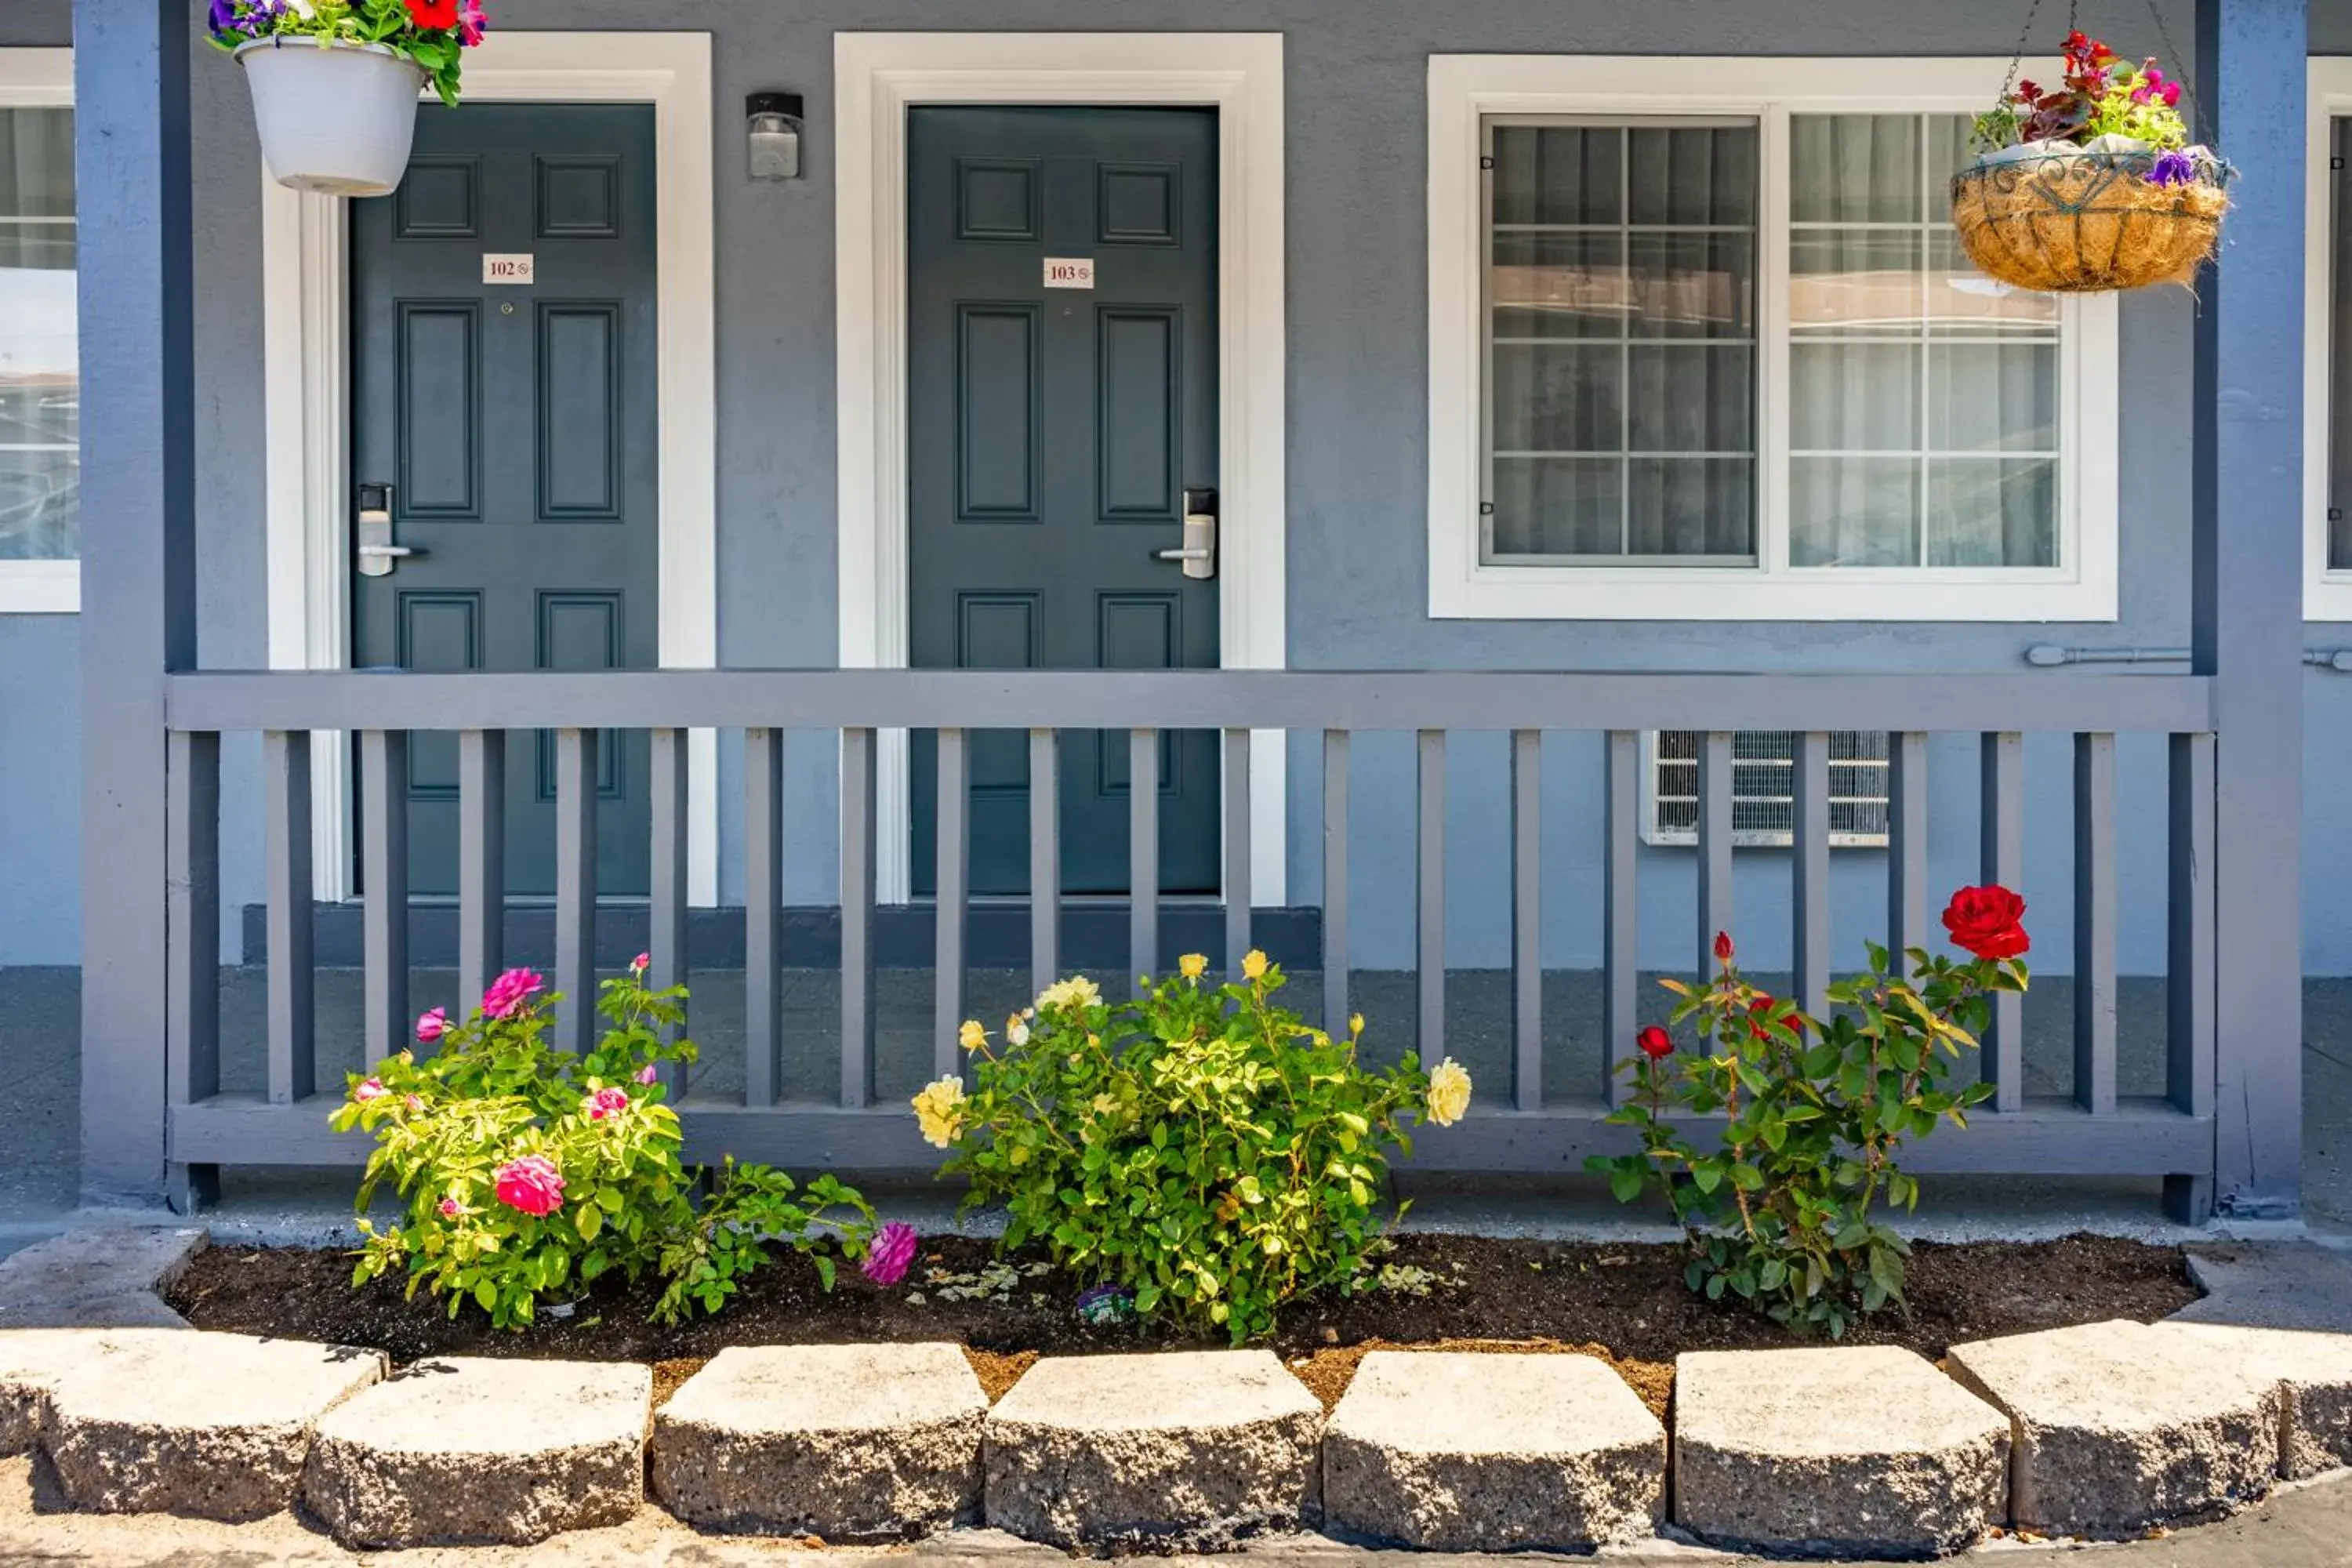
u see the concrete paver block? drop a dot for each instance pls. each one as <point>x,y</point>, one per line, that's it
<point>1452,1451</point>
<point>100,1276</point>
<point>847,1442</point>
<point>2116,1427</point>
<point>1189,1450</point>
<point>464,1448</point>
<point>1862,1450</point>
<point>2271,1285</point>
<point>214,1425</point>
<point>2313,1375</point>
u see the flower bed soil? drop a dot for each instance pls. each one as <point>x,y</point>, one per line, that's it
<point>1626,1303</point>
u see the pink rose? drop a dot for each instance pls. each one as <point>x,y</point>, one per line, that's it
<point>370,1088</point>
<point>510,991</point>
<point>893,1249</point>
<point>648,1073</point>
<point>432,1025</point>
<point>448,1208</point>
<point>531,1184</point>
<point>605,1101</point>
<point>415,1102</point>
<point>642,962</point>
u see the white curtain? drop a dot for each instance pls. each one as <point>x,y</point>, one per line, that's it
<point>40,406</point>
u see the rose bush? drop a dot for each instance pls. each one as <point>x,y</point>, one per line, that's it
<point>527,1171</point>
<point>1202,1150</point>
<point>1813,1114</point>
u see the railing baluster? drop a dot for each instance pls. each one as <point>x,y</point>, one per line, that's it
<point>575,889</point>
<point>383,869</point>
<point>293,1011</point>
<point>2094,922</point>
<point>1335,881</point>
<point>1714,844</point>
<point>763,903</point>
<point>1527,920</point>
<point>2001,802</point>
<point>665,938</point>
<point>481,861</point>
<point>192,1028</point>
<point>857,843</point>
<point>1620,931</point>
<point>1142,854</point>
<point>2190,1023</point>
<point>954,880</point>
<point>1429,882</point>
<point>1906,844</point>
<point>1238,902</point>
<point>1044,858</point>
<point>1810,945</point>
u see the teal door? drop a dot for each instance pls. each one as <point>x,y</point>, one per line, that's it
<point>509,430</point>
<point>1062,396</point>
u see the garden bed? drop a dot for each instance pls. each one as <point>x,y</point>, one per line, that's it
<point>1627,1303</point>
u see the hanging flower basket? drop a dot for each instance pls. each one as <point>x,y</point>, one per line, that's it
<point>2091,187</point>
<point>335,82</point>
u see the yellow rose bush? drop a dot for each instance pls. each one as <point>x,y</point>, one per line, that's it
<point>1201,1148</point>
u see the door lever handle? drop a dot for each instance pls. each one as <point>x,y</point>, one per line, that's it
<point>1198,554</point>
<point>376,551</point>
<point>1190,552</point>
<point>392,552</point>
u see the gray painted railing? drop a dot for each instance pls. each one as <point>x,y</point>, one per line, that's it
<point>2095,1132</point>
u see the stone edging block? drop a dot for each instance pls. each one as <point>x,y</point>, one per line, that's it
<point>1165,1451</point>
<point>464,1448</point>
<point>847,1442</point>
<point>2115,1426</point>
<point>1846,1450</point>
<point>1453,1451</point>
<point>2312,1373</point>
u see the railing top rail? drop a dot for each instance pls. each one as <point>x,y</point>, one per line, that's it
<point>1182,700</point>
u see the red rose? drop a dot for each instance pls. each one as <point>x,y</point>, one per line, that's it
<point>433,13</point>
<point>1985,921</point>
<point>1655,1043</point>
<point>1723,947</point>
<point>1759,1013</point>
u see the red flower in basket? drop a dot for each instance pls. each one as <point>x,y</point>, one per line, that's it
<point>1985,920</point>
<point>433,13</point>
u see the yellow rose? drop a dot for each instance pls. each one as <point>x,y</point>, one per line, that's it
<point>972,1037</point>
<point>1192,965</point>
<point>1016,1030</point>
<point>1355,1024</point>
<point>1254,965</point>
<point>1449,1092</point>
<point>939,1110</point>
<point>1077,990</point>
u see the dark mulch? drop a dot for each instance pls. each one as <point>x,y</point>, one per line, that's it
<point>1626,1302</point>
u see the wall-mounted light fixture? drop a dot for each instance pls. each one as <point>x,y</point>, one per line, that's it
<point>774,125</point>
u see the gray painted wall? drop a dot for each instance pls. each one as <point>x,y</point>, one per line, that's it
<point>1356,359</point>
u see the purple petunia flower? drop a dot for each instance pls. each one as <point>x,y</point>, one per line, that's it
<point>893,1249</point>
<point>2173,168</point>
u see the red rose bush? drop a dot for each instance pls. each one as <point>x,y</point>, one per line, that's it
<point>527,1171</point>
<point>1809,1114</point>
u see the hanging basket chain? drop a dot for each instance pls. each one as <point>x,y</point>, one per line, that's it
<point>2017,56</point>
<point>2204,127</point>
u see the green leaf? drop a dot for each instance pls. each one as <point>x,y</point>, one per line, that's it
<point>589,1219</point>
<point>1625,1183</point>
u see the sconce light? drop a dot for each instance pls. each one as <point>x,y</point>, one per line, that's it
<point>774,125</point>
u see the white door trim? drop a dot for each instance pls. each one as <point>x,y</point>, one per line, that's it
<point>307,397</point>
<point>877,77</point>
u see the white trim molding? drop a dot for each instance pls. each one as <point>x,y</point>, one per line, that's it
<point>307,396</point>
<point>1463,92</point>
<point>2326,594</point>
<point>39,78</point>
<point>877,77</point>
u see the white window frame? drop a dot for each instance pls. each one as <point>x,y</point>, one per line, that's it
<point>39,78</point>
<point>1464,89</point>
<point>2326,594</point>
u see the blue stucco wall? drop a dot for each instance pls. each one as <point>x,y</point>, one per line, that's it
<point>1357,413</point>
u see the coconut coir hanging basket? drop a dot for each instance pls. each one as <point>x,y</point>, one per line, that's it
<point>2067,219</point>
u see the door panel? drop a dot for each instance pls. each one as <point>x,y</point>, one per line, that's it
<point>1052,433</point>
<point>517,424</point>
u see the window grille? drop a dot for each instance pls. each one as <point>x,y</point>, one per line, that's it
<point>1763,764</point>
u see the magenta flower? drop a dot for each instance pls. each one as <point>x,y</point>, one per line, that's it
<point>648,1073</point>
<point>471,24</point>
<point>642,962</point>
<point>531,1184</point>
<point>510,991</point>
<point>605,1101</point>
<point>448,1208</point>
<point>370,1088</point>
<point>431,1024</point>
<point>893,1249</point>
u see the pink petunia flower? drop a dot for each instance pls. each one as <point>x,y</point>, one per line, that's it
<point>605,1101</point>
<point>894,1249</point>
<point>471,24</point>
<point>530,1184</point>
<point>510,991</point>
<point>431,1024</point>
<point>370,1088</point>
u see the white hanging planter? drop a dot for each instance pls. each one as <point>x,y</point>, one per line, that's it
<point>334,118</point>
